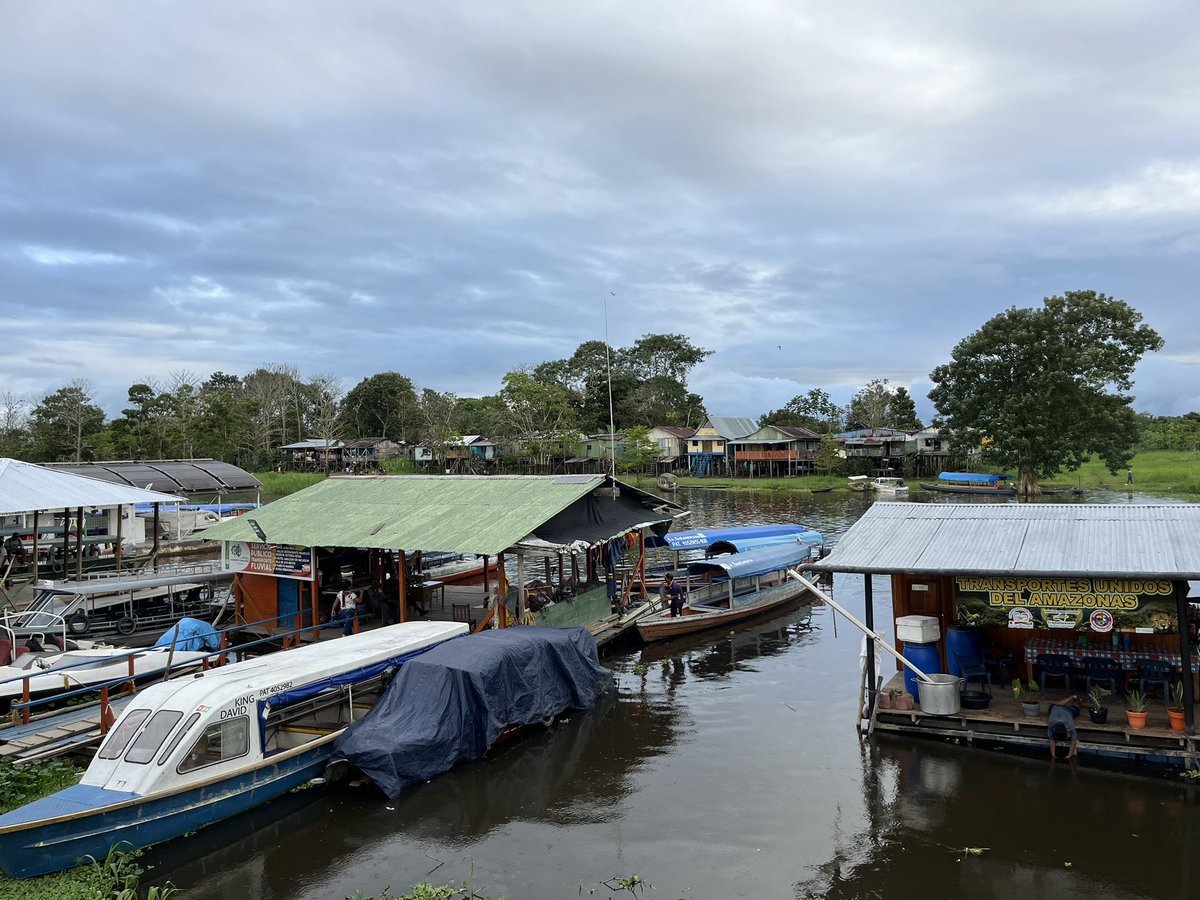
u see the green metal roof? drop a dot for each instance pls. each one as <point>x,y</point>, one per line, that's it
<point>457,514</point>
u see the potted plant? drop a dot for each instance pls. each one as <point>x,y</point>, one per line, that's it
<point>1175,711</point>
<point>1096,708</point>
<point>1027,695</point>
<point>1135,709</point>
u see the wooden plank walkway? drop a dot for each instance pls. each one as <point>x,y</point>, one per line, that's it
<point>56,734</point>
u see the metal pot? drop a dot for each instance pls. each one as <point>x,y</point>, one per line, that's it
<point>940,695</point>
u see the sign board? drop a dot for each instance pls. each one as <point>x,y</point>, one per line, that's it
<point>276,560</point>
<point>1074,604</point>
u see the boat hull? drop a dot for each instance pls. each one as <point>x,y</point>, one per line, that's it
<point>41,847</point>
<point>662,626</point>
<point>966,489</point>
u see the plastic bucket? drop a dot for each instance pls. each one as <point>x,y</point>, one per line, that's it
<point>964,642</point>
<point>941,697</point>
<point>926,658</point>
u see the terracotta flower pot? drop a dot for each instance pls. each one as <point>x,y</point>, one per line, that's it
<point>884,700</point>
<point>1178,719</point>
<point>1136,719</point>
<point>905,702</point>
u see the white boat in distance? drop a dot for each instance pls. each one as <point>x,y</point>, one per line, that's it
<point>882,485</point>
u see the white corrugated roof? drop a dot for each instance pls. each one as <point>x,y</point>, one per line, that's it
<point>1161,541</point>
<point>25,487</point>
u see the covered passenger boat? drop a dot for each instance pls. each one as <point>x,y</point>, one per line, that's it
<point>732,587</point>
<point>197,750</point>
<point>972,483</point>
<point>459,699</point>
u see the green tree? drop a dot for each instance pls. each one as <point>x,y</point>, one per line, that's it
<point>902,411</point>
<point>223,419</point>
<point>870,407</point>
<point>383,405</point>
<point>814,411</point>
<point>14,425</point>
<point>639,453</point>
<point>829,458</point>
<point>66,423</point>
<point>1042,389</point>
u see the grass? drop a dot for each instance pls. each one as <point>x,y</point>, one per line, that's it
<point>280,484</point>
<point>1167,473</point>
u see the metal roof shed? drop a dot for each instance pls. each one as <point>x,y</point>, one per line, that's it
<point>26,488</point>
<point>485,515</point>
<point>192,475</point>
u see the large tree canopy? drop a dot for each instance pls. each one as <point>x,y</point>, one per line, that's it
<point>1042,390</point>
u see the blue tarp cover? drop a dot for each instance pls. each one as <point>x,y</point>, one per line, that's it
<point>972,477</point>
<point>701,538</point>
<point>452,702</point>
<point>194,634</point>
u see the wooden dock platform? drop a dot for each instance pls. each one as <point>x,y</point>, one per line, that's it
<point>64,731</point>
<point>1004,723</point>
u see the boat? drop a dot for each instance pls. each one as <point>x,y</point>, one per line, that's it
<point>889,485</point>
<point>125,604</point>
<point>44,673</point>
<point>972,483</point>
<point>461,698</point>
<point>821,490</point>
<point>859,483</point>
<point>732,587</point>
<point>193,751</point>
<point>703,538</point>
<point>667,482</point>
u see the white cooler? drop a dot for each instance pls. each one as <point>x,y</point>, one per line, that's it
<point>918,629</point>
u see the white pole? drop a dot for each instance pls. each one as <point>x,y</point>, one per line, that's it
<point>859,625</point>
<point>612,437</point>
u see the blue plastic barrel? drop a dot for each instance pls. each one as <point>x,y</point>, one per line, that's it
<point>964,642</point>
<point>926,658</point>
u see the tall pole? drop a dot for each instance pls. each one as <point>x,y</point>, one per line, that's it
<point>869,610</point>
<point>612,437</point>
<point>1185,655</point>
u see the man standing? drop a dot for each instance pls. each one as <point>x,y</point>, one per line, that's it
<point>345,608</point>
<point>1129,476</point>
<point>1060,725</point>
<point>675,595</point>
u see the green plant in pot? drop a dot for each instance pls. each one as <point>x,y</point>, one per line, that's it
<point>1135,709</point>
<point>1028,695</point>
<point>1175,712</point>
<point>1096,708</point>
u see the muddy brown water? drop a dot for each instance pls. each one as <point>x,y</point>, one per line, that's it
<point>725,766</point>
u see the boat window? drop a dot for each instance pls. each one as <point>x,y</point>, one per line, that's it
<point>220,741</point>
<point>123,734</point>
<point>153,735</point>
<point>174,742</point>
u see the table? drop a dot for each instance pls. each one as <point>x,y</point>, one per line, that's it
<point>1126,659</point>
<point>433,590</point>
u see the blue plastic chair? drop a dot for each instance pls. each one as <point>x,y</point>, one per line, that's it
<point>1056,665</point>
<point>1104,670</point>
<point>971,669</point>
<point>1152,672</point>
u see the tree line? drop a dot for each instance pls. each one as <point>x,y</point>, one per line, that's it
<point>1036,389</point>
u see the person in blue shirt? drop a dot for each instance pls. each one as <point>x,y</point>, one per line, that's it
<point>1060,726</point>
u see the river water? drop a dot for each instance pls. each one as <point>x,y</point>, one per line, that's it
<point>724,766</point>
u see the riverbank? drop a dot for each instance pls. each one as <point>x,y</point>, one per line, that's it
<point>1164,473</point>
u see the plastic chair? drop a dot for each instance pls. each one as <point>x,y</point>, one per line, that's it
<point>999,664</point>
<point>1152,672</point>
<point>973,669</point>
<point>1104,670</point>
<point>1056,665</point>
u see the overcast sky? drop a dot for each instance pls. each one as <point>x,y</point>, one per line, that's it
<point>822,193</point>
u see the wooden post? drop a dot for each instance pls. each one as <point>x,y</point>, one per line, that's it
<point>120,522</point>
<point>522,605</point>
<point>549,577</point>
<point>132,689</point>
<point>574,570</point>
<point>402,573</point>
<point>154,546</point>
<point>79,545</point>
<point>36,534</point>
<point>485,575</point>
<point>25,700</point>
<point>316,611</point>
<point>66,541</point>
<point>562,575</point>
<point>1185,655</point>
<point>106,714</point>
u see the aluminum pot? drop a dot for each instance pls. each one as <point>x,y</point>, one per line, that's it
<point>940,695</point>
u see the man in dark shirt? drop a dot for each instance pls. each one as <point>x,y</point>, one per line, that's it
<point>1060,725</point>
<point>675,595</point>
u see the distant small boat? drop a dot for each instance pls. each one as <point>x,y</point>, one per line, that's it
<point>889,485</point>
<point>972,483</point>
<point>667,482</point>
<point>729,588</point>
<point>824,490</point>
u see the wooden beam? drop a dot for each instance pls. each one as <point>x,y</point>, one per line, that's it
<point>402,574</point>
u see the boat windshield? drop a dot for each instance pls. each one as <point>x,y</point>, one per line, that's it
<point>153,735</point>
<point>47,610</point>
<point>123,734</point>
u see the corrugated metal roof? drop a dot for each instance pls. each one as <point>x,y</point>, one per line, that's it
<point>167,474</point>
<point>456,514</point>
<point>732,427</point>
<point>1161,541</point>
<point>25,487</point>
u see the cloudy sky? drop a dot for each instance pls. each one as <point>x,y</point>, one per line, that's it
<point>822,193</point>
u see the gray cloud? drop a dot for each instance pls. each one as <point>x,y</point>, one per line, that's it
<point>453,192</point>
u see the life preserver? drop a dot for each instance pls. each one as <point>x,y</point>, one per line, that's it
<point>126,625</point>
<point>78,622</point>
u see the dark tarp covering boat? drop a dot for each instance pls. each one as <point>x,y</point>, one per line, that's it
<point>452,702</point>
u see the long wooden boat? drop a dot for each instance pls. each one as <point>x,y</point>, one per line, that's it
<point>972,483</point>
<point>726,589</point>
<point>197,750</point>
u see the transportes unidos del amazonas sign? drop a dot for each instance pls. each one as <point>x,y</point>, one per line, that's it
<point>1089,604</point>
